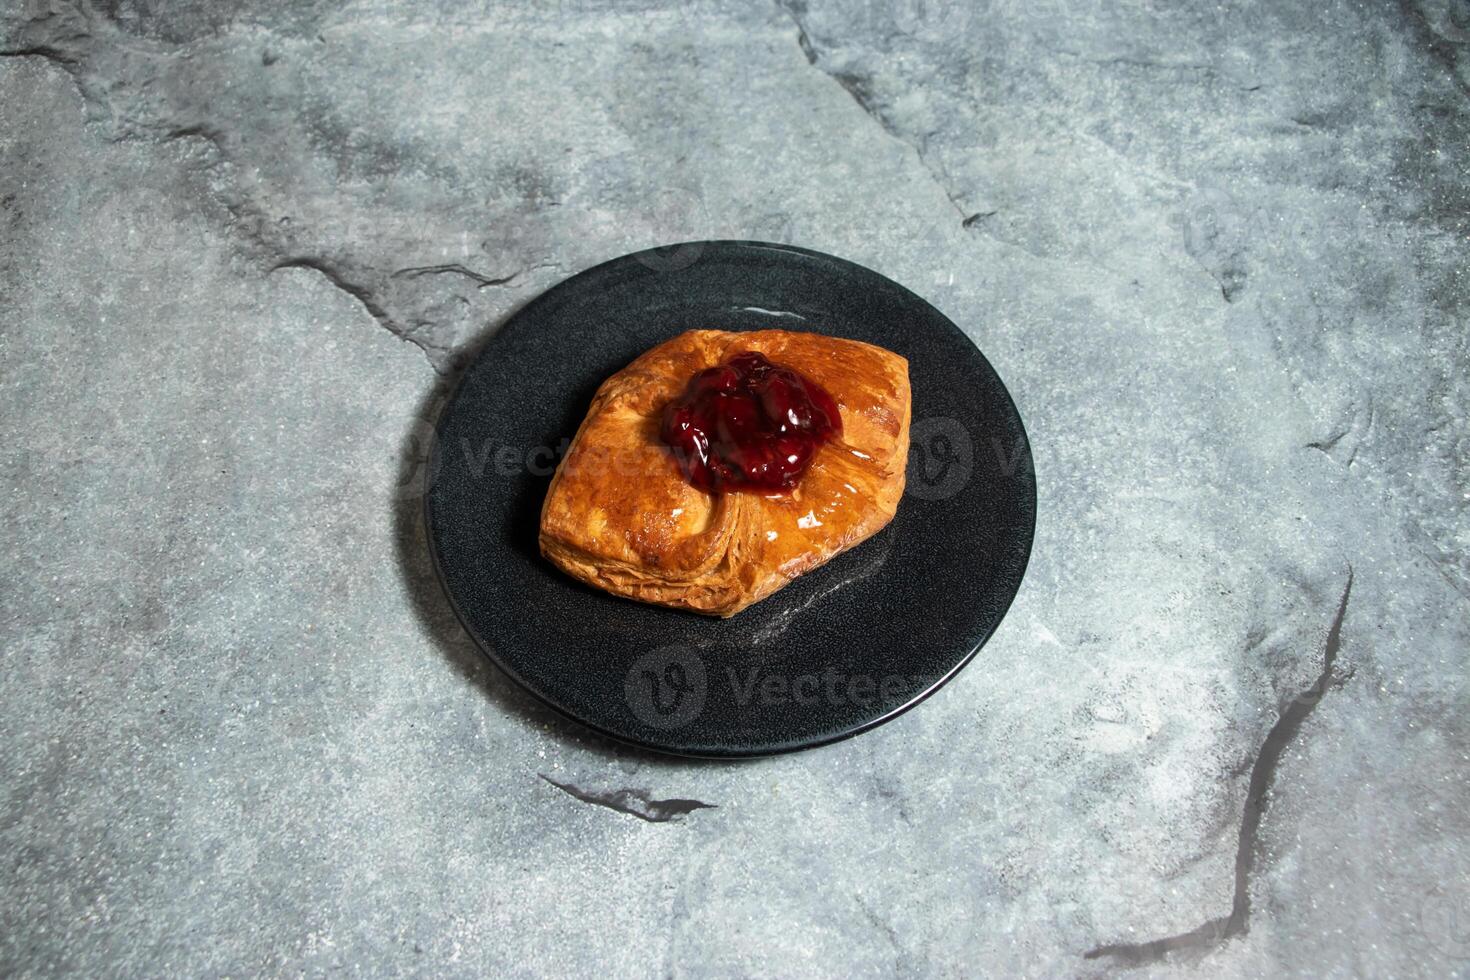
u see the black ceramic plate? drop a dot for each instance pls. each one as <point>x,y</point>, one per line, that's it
<point>840,650</point>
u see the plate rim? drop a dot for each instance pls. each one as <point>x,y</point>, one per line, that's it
<point>486,650</point>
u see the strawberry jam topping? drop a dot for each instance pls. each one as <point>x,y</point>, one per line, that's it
<point>748,424</point>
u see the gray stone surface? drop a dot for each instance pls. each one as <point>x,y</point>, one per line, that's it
<point>1218,252</point>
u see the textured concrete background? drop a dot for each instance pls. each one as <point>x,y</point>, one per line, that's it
<point>1219,253</point>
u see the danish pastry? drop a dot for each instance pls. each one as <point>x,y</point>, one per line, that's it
<point>718,467</point>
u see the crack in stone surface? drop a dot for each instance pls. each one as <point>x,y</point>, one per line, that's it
<point>1230,280</point>
<point>1439,570</point>
<point>1288,726</point>
<point>856,87</point>
<point>334,276</point>
<point>1326,445</point>
<point>143,88</point>
<point>1329,445</point>
<point>455,269</point>
<point>886,928</point>
<point>633,802</point>
<point>40,51</point>
<point>976,218</point>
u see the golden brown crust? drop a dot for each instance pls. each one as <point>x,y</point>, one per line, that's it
<point>620,516</point>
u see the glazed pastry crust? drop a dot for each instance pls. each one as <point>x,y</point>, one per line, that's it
<point>620,515</point>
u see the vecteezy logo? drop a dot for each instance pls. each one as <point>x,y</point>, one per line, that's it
<point>677,211</point>
<point>1444,918</point>
<point>941,458</point>
<point>666,688</point>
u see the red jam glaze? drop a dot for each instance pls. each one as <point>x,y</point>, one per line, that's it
<point>749,424</point>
